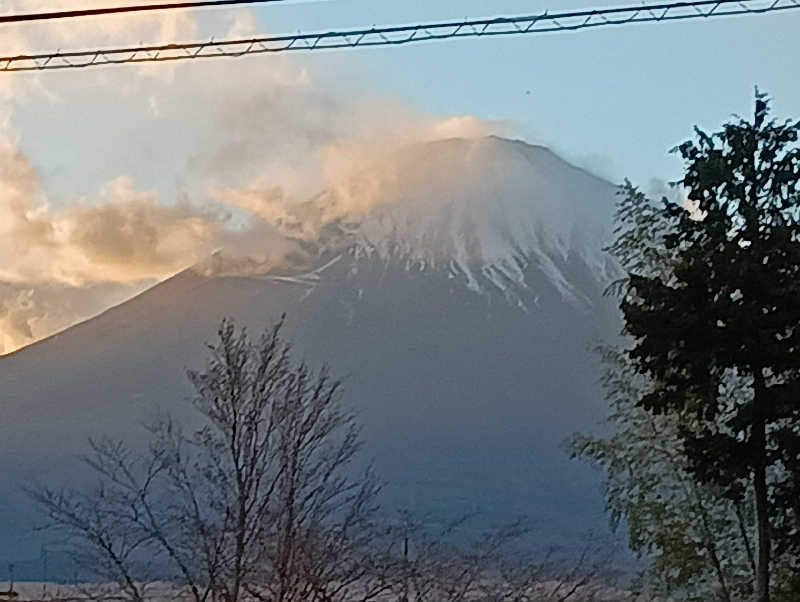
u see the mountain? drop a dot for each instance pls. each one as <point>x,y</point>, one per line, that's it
<point>458,288</point>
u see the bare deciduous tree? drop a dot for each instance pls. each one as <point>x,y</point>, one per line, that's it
<point>97,524</point>
<point>260,502</point>
<point>445,564</point>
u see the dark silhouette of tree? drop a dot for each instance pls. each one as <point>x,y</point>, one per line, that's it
<point>717,306</point>
<point>259,503</point>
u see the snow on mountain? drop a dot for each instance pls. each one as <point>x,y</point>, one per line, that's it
<point>401,282</point>
<point>482,210</point>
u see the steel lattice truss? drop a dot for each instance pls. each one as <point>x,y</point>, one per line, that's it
<point>397,35</point>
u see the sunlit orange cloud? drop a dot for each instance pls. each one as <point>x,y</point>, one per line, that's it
<point>66,262</point>
<point>268,137</point>
<point>125,237</point>
<point>62,266</point>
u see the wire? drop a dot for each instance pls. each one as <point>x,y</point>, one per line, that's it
<point>398,35</point>
<point>109,10</point>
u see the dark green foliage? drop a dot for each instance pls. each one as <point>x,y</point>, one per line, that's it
<point>710,301</point>
<point>695,540</point>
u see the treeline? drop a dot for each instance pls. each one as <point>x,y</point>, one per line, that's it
<point>703,466</point>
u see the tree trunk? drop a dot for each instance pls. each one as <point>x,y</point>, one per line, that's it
<point>711,546</point>
<point>745,538</point>
<point>762,511</point>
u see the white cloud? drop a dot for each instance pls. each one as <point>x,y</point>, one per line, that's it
<point>243,140</point>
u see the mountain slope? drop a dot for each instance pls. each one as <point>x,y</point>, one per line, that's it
<point>458,294</point>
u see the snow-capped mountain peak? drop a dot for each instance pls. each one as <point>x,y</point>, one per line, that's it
<point>481,209</point>
<point>465,401</point>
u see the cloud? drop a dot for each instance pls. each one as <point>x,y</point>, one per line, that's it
<point>130,237</point>
<point>125,237</point>
<point>121,176</point>
<point>63,266</point>
<point>42,36</point>
<point>156,27</point>
<point>360,167</point>
<point>28,313</point>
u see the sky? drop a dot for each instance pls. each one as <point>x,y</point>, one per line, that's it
<point>114,178</point>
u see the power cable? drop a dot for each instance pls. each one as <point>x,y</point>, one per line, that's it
<point>110,10</point>
<point>397,35</point>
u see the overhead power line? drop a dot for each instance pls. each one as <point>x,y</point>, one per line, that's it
<point>134,8</point>
<point>397,35</point>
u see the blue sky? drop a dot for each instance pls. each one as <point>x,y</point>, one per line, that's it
<point>615,99</point>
